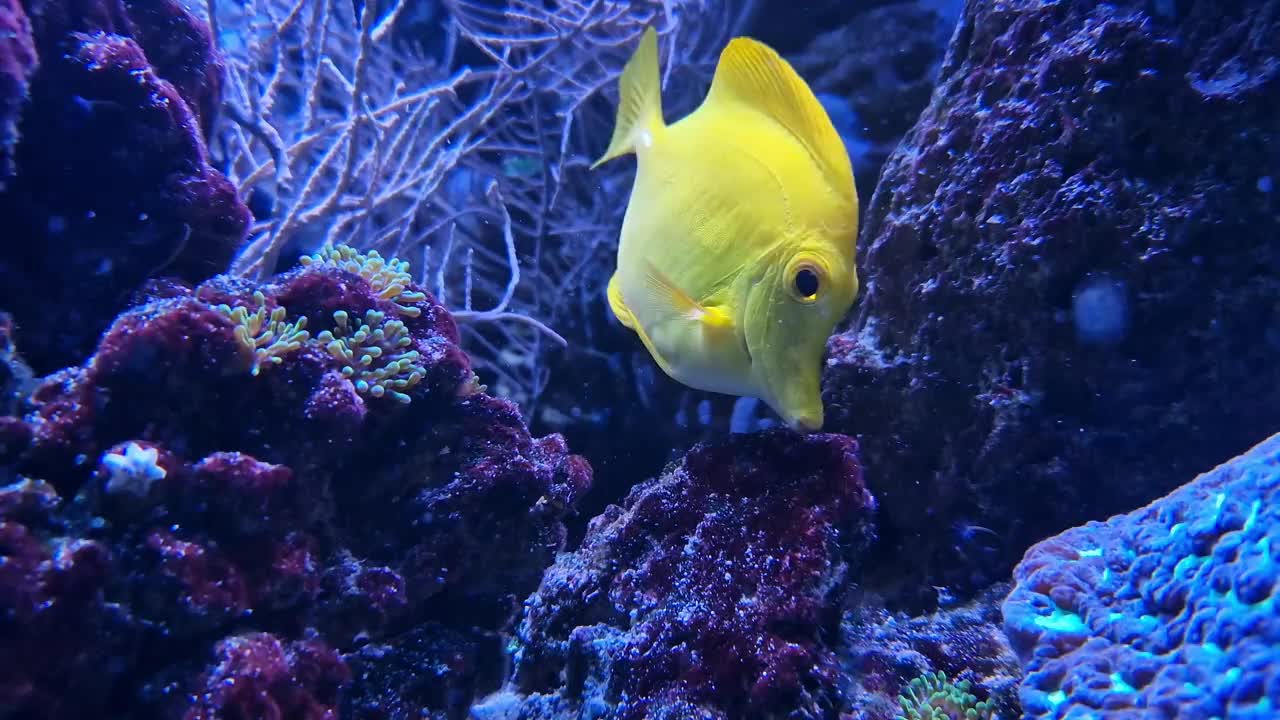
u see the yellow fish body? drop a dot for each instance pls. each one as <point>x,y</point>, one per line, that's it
<point>737,252</point>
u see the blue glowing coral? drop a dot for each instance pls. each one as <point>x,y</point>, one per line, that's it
<point>1169,611</point>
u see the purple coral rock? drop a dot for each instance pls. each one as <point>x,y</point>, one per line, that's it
<point>1169,611</point>
<point>288,503</point>
<point>112,180</point>
<point>714,590</point>
<point>53,619</point>
<point>1067,304</point>
<point>884,651</point>
<point>202,580</point>
<point>258,676</point>
<point>18,63</point>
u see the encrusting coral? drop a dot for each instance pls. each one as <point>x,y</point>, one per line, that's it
<point>1167,611</point>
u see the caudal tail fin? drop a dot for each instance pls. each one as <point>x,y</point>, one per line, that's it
<point>640,107</point>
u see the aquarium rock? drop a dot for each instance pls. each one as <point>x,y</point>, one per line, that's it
<point>1065,141</point>
<point>108,180</point>
<point>714,591</point>
<point>882,651</point>
<point>180,535</point>
<point>18,63</point>
<point>1168,611</point>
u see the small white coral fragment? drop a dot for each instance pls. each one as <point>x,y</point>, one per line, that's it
<point>132,471</point>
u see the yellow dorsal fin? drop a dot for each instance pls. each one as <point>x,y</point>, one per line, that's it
<point>751,74</point>
<point>664,299</point>
<point>640,103</point>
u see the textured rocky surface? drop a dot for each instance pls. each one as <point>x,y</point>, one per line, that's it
<point>18,63</point>
<point>104,175</point>
<point>874,70</point>
<point>882,652</point>
<point>1168,611</point>
<point>188,526</point>
<point>1070,300</point>
<point>714,591</point>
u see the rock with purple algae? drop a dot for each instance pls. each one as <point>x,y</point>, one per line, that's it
<point>111,180</point>
<point>55,622</point>
<point>884,652</point>
<point>714,591</point>
<point>257,676</point>
<point>172,509</point>
<point>431,671</point>
<point>1168,611</point>
<point>18,62</point>
<point>997,396</point>
<point>16,378</point>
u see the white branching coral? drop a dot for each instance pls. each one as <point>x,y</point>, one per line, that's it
<point>360,124</point>
<point>265,336</point>
<point>374,355</point>
<point>132,471</point>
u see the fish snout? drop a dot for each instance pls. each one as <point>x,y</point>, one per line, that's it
<point>806,421</point>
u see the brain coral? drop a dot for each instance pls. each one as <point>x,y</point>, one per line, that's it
<point>1169,611</point>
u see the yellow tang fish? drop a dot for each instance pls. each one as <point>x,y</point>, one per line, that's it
<point>737,252</point>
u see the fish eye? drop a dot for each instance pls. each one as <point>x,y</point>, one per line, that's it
<point>806,283</point>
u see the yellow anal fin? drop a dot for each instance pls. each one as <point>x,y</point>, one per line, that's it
<point>620,309</point>
<point>664,299</point>
<point>640,102</point>
<point>753,75</point>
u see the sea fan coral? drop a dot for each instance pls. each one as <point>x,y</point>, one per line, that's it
<point>467,145</point>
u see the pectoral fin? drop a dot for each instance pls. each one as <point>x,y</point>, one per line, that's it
<point>662,298</point>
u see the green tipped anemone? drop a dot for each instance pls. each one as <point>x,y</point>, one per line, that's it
<point>388,277</point>
<point>265,336</point>
<point>375,354</point>
<point>933,697</point>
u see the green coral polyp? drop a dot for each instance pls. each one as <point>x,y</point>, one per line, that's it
<point>266,335</point>
<point>388,277</point>
<point>933,697</point>
<point>374,355</point>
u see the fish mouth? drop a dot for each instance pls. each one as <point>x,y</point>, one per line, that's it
<point>806,422</point>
